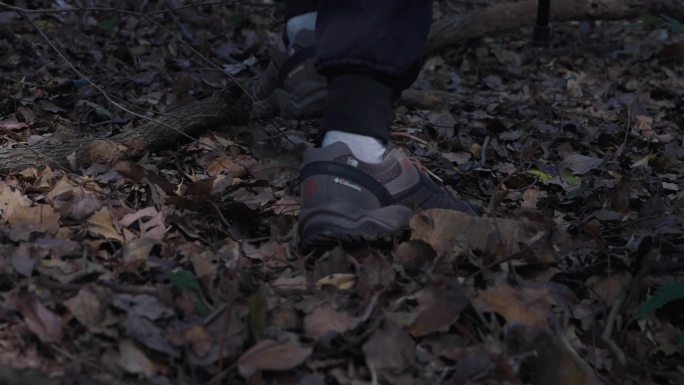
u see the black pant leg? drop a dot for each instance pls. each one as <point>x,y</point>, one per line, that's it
<point>385,36</point>
<point>299,7</point>
<point>370,51</point>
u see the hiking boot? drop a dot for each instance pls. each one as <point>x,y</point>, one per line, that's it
<point>290,87</point>
<point>347,200</point>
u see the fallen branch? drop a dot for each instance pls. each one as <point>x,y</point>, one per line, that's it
<point>505,17</point>
<point>216,111</point>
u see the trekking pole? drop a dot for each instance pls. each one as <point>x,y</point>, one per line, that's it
<point>542,31</point>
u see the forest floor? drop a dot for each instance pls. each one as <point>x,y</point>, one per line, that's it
<point>183,267</point>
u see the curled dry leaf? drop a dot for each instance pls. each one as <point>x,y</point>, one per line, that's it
<point>452,232</point>
<point>272,355</point>
<point>150,221</point>
<point>341,281</point>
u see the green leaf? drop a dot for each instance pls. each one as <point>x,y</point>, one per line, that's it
<point>185,281</point>
<point>109,24</point>
<point>235,20</point>
<point>662,297</point>
<point>672,24</point>
<point>649,21</point>
<point>571,179</point>
<point>544,177</point>
<point>680,344</point>
<point>257,314</point>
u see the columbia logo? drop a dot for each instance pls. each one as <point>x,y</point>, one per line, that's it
<point>347,183</point>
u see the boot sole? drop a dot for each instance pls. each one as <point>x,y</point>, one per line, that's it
<point>345,223</point>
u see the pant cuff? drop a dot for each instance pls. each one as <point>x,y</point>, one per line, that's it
<point>359,103</point>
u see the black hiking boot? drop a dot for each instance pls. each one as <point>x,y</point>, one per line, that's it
<point>290,87</point>
<point>349,201</point>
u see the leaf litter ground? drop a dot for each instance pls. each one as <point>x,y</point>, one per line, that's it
<point>183,268</point>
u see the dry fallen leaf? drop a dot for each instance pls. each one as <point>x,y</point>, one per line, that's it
<point>325,320</point>
<point>272,355</point>
<point>341,281</point>
<point>390,349</point>
<point>143,305</point>
<point>101,224</point>
<point>451,232</point>
<point>150,221</point>
<point>554,360</point>
<point>609,287</point>
<point>528,305</point>
<point>135,253</point>
<point>133,360</point>
<point>581,164</point>
<point>88,306</point>
<point>40,320</point>
<point>439,306</point>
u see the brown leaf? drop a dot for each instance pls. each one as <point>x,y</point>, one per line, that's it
<point>133,360</point>
<point>414,254</point>
<point>40,320</point>
<point>145,331</point>
<point>609,287</point>
<point>528,305</point>
<point>150,221</point>
<point>272,355</point>
<point>325,320</point>
<point>374,273</point>
<point>200,340</point>
<point>101,224</point>
<point>554,360</point>
<point>439,306</point>
<point>135,253</point>
<point>143,305</point>
<point>88,306</point>
<point>452,232</point>
<point>137,173</point>
<point>390,349</point>
<point>25,258</point>
<point>201,187</point>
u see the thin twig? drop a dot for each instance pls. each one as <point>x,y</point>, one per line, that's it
<point>610,323</point>
<point>95,85</point>
<point>408,136</point>
<point>483,151</point>
<point>628,128</point>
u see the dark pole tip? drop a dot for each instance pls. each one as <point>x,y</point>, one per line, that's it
<point>542,35</point>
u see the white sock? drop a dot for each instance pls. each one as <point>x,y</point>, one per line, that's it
<point>367,148</point>
<point>300,22</point>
